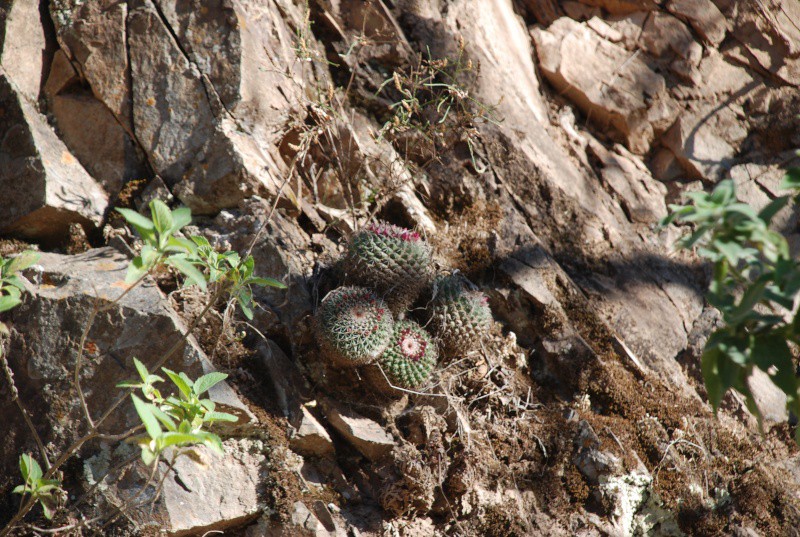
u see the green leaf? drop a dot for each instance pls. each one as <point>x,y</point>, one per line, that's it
<point>264,282</point>
<point>149,420</point>
<point>165,419</point>
<point>24,260</point>
<point>181,217</point>
<point>162,216</point>
<point>135,219</point>
<point>220,416</point>
<point>791,181</point>
<point>213,441</point>
<point>772,350</point>
<point>49,505</point>
<point>189,270</point>
<point>141,368</point>
<point>136,269</point>
<point>148,455</point>
<point>30,469</point>
<point>723,193</point>
<point>9,302</point>
<point>183,386</point>
<point>245,301</point>
<point>176,439</point>
<point>181,245</point>
<point>206,382</point>
<point>200,241</point>
<point>16,282</point>
<point>752,296</point>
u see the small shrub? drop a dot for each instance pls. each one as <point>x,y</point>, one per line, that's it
<point>754,285</point>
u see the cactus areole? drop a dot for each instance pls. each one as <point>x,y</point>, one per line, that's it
<point>353,326</point>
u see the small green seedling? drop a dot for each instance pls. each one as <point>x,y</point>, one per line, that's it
<point>233,272</point>
<point>45,491</point>
<point>11,283</point>
<point>161,245</point>
<point>175,421</point>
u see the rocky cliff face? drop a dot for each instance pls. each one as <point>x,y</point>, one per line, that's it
<point>535,143</point>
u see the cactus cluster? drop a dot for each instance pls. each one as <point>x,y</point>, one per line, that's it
<point>394,261</point>
<point>354,326</point>
<point>458,315</point>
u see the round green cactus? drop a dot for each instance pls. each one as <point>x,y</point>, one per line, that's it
<point>410,357</point>
<point>354,326</point>
<point>394,261</point>
<point>459,316</point>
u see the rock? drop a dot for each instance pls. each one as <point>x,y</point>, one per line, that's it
<point>641,196</point>
<point>771,42</point>
<point>759,184</point>
<point>45,188</point>
<point>503,35</point>
<point>105,150</point>
<point>636,508</point>
<point>62,75</point>
<point>590,460</point>
<point>191,139</point>
<point>721,77</point>
<point>704,17</point>
<point>23,46</point>
<point>197,496</point>
<point>304,522</point>
<point>770,400</point>
<point>545,12</point>
<point>697,141</point>
<point>664,35</point>
<point>94,35</point>
<point>50,322</point>
<point>287,381</point>
<point>621,7</point>
<point>664,165</point>
<point>619,90</point>
<point>366,435</point>
<point>172,115</point>
<point>155,190</point>
<point>311,438</point>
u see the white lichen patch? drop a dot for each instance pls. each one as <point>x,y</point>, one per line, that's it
<point>637,510</point>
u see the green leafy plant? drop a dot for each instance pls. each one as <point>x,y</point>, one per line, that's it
<point>754,286</point>
<point>235,274</point>
<point>175,421</point>
<point>11,283</point>
<point>161,245</point>
<point>47,492</point>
